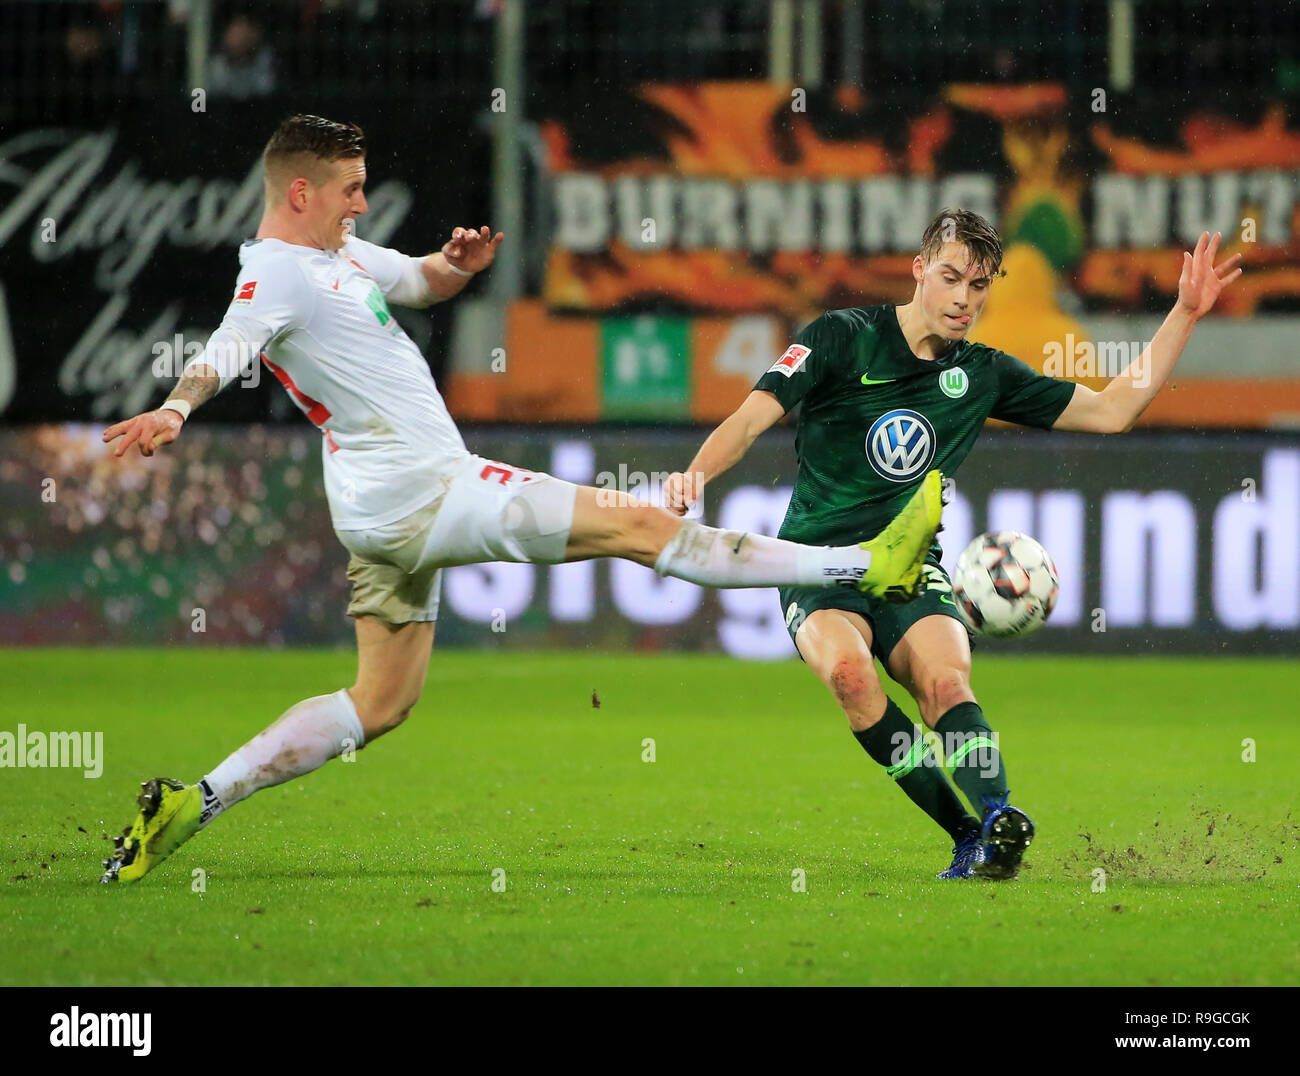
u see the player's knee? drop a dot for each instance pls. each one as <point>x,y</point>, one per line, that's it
<point>385,720</point>
<point>646,530</point>
<point>385,713</point>
<point>942,689</point>
<point>857,689</point>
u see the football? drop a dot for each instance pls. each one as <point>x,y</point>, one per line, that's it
<point>1005,585</point>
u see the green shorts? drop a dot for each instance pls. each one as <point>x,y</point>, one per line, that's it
<point>889,620</point>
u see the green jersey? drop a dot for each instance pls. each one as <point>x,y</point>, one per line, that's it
<point>875,418</point>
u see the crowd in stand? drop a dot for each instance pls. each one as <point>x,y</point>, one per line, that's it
<point>64,62</point>
<point>79,61</point>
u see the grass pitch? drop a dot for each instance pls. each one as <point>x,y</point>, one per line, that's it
<point>680,870</point>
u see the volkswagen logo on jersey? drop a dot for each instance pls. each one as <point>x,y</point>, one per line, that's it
<point>900,445</point>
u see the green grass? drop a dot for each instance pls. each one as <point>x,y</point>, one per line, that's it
<point>679,871</point>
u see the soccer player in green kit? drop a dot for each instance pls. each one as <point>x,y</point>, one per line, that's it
<point>889,393</point>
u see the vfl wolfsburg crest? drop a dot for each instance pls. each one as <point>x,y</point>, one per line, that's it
<point>954,382</point>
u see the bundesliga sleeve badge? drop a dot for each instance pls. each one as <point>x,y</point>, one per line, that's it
<point>245,293</point>
<point>793,358</point>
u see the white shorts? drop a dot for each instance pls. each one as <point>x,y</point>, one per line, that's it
<point>485,511</point>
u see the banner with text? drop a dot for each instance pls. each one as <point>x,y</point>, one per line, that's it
<point>749,197</point>
<point>1163,543</point>
<point>119,249</point>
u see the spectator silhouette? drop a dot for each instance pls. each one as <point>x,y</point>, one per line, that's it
<point>83,80</point>
<point>244,68</point>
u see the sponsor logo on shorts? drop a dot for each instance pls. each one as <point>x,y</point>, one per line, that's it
<point>793,358</point>
<point>794,617</point>
<point>937,581</point>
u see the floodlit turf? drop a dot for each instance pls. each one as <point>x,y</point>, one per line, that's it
<point>676,871</point>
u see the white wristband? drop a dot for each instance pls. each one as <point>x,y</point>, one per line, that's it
<point>181,407</point>
<point>458,272</point>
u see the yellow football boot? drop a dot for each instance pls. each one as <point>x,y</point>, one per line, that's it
<point>898,552</point>
<point>169,816</point>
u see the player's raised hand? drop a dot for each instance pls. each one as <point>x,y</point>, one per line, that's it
<point>148,431</point>
<point>470,250</point>
<point>680,492</point>
<point>1202,280</point>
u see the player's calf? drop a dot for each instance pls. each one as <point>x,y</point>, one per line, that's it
<point>305,737</point>
<point>610,523</point>
<point>836,644</point>
<point>392,661</point>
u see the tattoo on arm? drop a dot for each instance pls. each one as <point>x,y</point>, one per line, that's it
<point>197,387</point>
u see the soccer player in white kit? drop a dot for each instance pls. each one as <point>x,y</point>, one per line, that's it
<point>406,496</point>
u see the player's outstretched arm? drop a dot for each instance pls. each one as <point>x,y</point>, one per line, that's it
<point>1118,406</point>
<point>153,429</point>
<point>723,449</point>
<point>467,252</point>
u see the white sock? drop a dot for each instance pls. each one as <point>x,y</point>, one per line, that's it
<point>305,737</point>
<point>718,558</point>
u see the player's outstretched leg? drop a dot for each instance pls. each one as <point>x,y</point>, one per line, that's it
<point>607,524</point>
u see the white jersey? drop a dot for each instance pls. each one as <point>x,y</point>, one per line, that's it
<point>319,321</point>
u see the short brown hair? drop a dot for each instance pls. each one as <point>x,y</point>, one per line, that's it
<point>302,144</point>
<point>975,233</point>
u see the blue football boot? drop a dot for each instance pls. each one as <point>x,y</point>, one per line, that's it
<point>1005,835</point>
<point>968,855</point>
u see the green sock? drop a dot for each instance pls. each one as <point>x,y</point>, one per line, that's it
<point>897,744</point>
<point>973,759</point>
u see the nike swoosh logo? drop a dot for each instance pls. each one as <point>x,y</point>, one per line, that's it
<point>883,381</point>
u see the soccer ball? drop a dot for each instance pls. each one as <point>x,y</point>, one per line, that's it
<point>1005,585</point>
